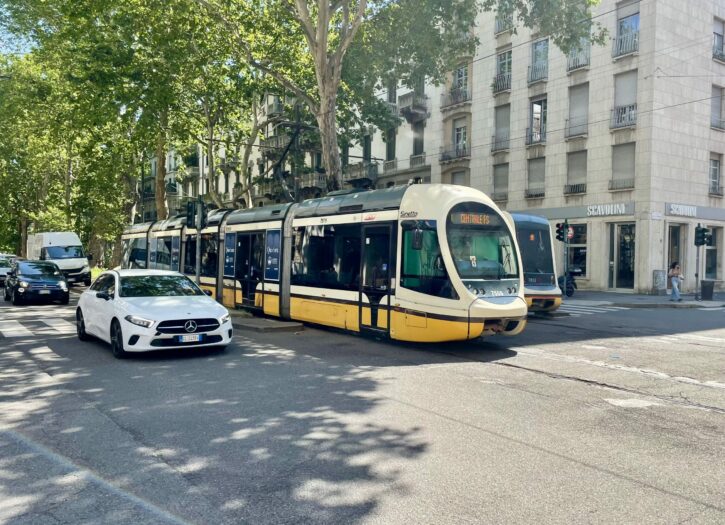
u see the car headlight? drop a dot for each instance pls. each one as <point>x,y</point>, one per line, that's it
<point>139,321</point>
<point>23,284</point>
<point>225,318</point>
<point>85,269</point>
<point>63,286</point>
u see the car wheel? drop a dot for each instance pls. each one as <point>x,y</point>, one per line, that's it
<point>16,299</point>
<point>81,326</point>
<point>117,341</point>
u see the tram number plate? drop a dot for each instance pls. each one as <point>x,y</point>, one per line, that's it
<point>192,338</point>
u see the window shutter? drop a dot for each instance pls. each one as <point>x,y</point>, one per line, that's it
<point>623,161</point>
<point>500,178</point>
<point>579,104</point>
<point>537,174</point>
<point>716,102</point>
<point>718,27</point>
<point>627,8</point>
<point>625,89</point>
<point>577,168</point>
<point>503,121</point>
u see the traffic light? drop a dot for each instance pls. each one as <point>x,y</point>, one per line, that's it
<point>702,235</point>
<point>191,214</point>
<point>561,231</point>
<point>708,238</point>
<point>204,212</point>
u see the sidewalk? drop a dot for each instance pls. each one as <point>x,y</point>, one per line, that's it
<point>629,300</point>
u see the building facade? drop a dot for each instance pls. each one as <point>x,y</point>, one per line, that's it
<point>625,140</point>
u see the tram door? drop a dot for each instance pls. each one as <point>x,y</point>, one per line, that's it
<point>249,264</point>
<point>375,273</point>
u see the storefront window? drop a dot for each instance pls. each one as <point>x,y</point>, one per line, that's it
<point>578,250</point>
<point>712,255</point>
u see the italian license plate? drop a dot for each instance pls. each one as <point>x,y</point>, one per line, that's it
<point>192,338</point>
<point>44,292</point>
<point>71,279</point>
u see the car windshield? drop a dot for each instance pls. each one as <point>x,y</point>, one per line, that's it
<point>481,243</point>
<point>64,252</point>
<point>158,286</point>
<point>4,263</point>
<point>37,269</point>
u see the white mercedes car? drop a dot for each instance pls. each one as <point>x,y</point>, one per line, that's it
<point>146,310</point>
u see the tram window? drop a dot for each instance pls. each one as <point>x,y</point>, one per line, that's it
<point>327,257</point>
<point>190,255</point>
<point>163,253</point>
<point>535,246</point>
<point>134,253</point>
<point>209,255</point>
<point>423,270</point>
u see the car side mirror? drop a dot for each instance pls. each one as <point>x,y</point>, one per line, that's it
<point>104,296</point>
<point>207,292</point>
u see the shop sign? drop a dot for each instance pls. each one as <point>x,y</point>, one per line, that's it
<point>681,210</point>
<point>602,210</point>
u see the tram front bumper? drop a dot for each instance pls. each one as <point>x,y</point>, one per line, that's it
<point>499,315</point>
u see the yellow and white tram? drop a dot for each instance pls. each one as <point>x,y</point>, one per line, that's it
<point>426,263</point>
<point>539,267</point>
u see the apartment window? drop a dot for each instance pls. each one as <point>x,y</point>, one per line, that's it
<point>460,78</point>
<point>537,121</point>
<point>576,172</point>
<point>539,68</point>
<point>718,48</point>
<point>367,148</point>
<point>717,120</point>
<point>578,250</point>
<point>500,181</point>
<point>536,178</point>
<point>459,178</point>
<point>624,113</point>
<point>712,254</point>
<point>418,138</point>
<point>578,123</point>
<point>627,39</point>
<point>502,80</point>
<point>390,144</point>
<point>622,167</point>
<point>715,164</point>
<point>460,134</point>
<point>579,56</point>
<point>502,117</point>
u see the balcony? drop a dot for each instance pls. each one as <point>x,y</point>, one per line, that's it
<point>275,108</point>
<point>454,152</point>
<point>273,145</point>
<point>621,184</point>
<point>718,49</point>
<point>501,83</point>
<point>414,107</point>
<point>500,141</point>
<point>392,108</point>
<point>390,166</point>
<point>715,190</point>
<point>717,122</point>
<point>360,172</point>
<point>579,58</point>
<point>418,161</point>
<point>573,189</point>
<point>576,127</point>
<point>624,117</point>
<point>535,192</point>
<point>503,24</point>
<point>500,196</point>
<point>624,45</point>
<point>313,180</point>
<point>535,135</point>
<point>538,72</point>
<point>455,97</point>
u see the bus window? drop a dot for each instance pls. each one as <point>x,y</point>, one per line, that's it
<point>423,270</point>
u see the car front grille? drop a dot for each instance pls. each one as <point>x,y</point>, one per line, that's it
<point>34,286</point>
<point>178,326</point>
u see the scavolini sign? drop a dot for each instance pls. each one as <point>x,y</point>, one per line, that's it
<point>593,210</point>
<point>695,212</point>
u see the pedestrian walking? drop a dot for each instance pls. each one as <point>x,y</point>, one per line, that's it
<point>675,277</point>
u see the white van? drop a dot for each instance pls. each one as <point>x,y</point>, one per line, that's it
<point>65,250</point>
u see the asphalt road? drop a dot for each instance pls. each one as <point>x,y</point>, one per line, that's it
<point>604,416</point>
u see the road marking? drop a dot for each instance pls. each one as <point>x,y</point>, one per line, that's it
<point>718,309</point>
<point>14,329</point>
<point>575,310</point>
<point>60,325</point>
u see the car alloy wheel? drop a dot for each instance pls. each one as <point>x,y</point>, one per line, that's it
<point>81,326</point>
<point>117,341</point>
<point>16,299</point>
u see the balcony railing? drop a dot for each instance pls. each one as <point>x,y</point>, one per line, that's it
<point>274,108</point>
<point>271,146</point>
<point>500,141</point>
<point>535,192</point>
<point>579,58</point>
<point>625,44</point>
<point>717,122</point>
<point>621,184</point>
<point>576,127</point>
<point>313,180</point>
<point>455,96</point>
<point>416,161</point>
<point>360,171</point>
<point>718,48</point>
<point>504,23</point>
<point>535,135</point>
<point>499,196</point>
<point>538,72</point>
<point>624,116</point>
<point>573,189</point>
<point>392,108</point>
<point>454,152</point>
<point>413,106</point>
<point>390,166</point>
<point>716,190</point>
<point>501,82</point>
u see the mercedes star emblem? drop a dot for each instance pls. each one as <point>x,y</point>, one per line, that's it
<point>190,326</point>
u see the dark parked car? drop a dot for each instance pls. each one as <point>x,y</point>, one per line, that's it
<point>39,280</point>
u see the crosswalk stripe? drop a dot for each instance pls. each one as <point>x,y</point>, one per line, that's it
<point>583,309</point>
<point>14,329</point>
<point>60,325</point>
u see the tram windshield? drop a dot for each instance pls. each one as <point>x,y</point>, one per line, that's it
<point>481,244</point>
<point>535,246</point>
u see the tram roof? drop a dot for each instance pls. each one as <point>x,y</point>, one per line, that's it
<point>522,218</point>
<point>173,223</point>
<point>352,201</point>
<point>139,227</point>
<point>261,214</point>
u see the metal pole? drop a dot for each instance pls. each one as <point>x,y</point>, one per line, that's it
<point>199,209</point>
<point>697,272</point>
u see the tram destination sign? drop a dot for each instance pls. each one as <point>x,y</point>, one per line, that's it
<point>474,219</point>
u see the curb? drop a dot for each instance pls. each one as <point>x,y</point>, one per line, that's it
<point>256,324</point>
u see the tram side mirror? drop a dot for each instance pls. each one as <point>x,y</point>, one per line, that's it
<point>417,239</point>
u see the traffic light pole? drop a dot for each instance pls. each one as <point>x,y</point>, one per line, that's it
<point>199,220</point>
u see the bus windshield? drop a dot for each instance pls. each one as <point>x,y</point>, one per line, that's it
<point>535,246</point>
<point>481,244</point>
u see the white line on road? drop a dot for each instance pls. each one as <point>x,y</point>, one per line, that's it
<point>14,329</point>
<point>60,325</point>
